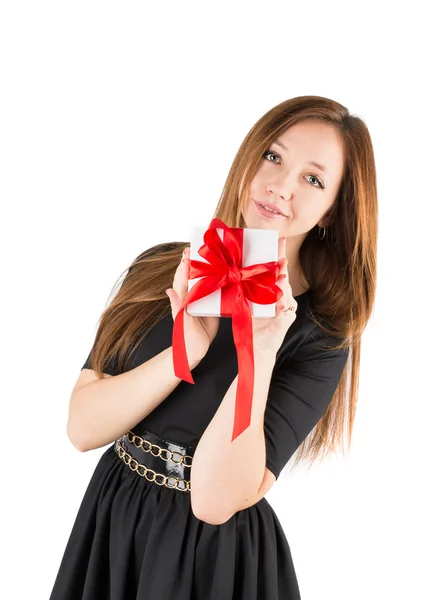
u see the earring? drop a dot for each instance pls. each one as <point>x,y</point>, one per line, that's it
<point>321,238</point>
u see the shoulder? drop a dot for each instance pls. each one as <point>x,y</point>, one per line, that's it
<point>312,337</point>
<point>321,354</point>
<point>320,338</point>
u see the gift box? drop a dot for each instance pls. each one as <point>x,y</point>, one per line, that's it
<point>235,274</point>
<point>258,246</point>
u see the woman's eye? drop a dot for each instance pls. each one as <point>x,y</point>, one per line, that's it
<point>320,184</point>
<point>267,153</point>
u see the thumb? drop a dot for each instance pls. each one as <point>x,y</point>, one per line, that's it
<point>174,301</point>
<point>282,313</point>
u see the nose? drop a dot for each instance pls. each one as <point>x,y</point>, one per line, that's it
<point>280,188</point>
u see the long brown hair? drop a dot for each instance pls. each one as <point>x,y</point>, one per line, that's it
<point>340,269</point>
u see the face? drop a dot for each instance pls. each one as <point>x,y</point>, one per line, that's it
<point>287,180</point>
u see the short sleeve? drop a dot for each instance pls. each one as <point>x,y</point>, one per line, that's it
<point>111,367</point>
<point>299,395</point>
<point>87,364</point>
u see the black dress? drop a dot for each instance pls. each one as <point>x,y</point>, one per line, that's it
<point>136,540</point>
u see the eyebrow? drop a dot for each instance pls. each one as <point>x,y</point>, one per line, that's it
<point>310,162</point>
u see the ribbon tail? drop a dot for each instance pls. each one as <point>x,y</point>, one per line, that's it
<point>243,338</point>
<point>180,358</point>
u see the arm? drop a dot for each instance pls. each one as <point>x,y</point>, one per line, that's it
<point>102,410</point>
<point>217,493</point>
<point>295,399</point>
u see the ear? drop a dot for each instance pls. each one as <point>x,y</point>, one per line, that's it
<point>324,222</point>
<point>327,218</point>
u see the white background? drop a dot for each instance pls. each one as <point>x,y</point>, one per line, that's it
<point>119,123</point>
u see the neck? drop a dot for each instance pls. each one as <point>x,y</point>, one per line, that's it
<point>297,281</point>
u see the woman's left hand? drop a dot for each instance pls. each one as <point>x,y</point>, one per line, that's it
<point>268,334</point>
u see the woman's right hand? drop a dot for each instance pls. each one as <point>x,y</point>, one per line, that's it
<point>199,332</point>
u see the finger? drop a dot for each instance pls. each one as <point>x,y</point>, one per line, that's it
<point>284,260</point>
<point>177,276</point>
<point>185,274</point>
<point>287,295</point>
<point>284,249</point>
<point>175,301</point>
<point>180,280</point>
<point>283,266</point>
<point>179,290</point>
<point>284,313</point>
<point>281,247</point>
<point>282,283</point>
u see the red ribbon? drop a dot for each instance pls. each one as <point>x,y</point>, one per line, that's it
<point>238,284</point>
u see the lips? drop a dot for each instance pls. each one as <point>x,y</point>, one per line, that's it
<point>272,206</point>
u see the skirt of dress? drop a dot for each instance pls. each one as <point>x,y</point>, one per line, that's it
<point>135,540</point>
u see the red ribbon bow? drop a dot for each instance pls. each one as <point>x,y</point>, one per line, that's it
<point>238,284</point>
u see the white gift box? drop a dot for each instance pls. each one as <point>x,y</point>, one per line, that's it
<point>259,246</point>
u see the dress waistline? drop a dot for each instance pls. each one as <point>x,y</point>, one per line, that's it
<point>157,459</point>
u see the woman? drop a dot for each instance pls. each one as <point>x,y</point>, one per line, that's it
<point>174,508</point>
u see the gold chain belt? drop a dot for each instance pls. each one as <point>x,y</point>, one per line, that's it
<point>157,451</point>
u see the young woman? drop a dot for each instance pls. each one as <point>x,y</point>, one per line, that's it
<point>174,508</point>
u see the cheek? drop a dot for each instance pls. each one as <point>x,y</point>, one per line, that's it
<point>253,192</point>
<point>307,214</point>
<point>256,184</point>
<point>310,211</point>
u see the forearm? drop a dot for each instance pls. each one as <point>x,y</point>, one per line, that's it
<point>104,409</point>
<point>224,473</point>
